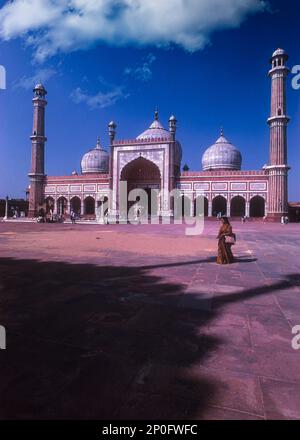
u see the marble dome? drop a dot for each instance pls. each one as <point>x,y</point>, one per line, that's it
<point>222,155</point>
<point>279,52</point>
<point>156,130</point>
<point>95,160</point>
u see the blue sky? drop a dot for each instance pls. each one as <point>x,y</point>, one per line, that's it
<point>206,63</point>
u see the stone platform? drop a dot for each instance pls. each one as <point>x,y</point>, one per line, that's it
<point>139,322</point>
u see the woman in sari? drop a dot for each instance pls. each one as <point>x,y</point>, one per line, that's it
<point>224,245</point>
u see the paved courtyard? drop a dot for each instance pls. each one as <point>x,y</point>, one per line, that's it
<point>126,321</point>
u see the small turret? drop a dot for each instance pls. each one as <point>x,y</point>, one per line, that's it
<point>112,131</point>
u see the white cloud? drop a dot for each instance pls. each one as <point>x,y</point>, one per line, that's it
<point>100,99</point>
<point>143,72</point>
<point>28,82</point>
<point>51,26</point>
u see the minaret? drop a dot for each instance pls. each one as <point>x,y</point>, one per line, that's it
<point>112,126</point>
<point>38,139</point>
<point>278,121</point>
<point>172,129</point>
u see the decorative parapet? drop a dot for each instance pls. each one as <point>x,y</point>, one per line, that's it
<point>141,141</point>
<point>220,173</point>
<point>79,178</point>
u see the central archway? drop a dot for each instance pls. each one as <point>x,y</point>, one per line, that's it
<point>143,174</point>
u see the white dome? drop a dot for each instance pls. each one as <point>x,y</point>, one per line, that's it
<point>222,155</point>
<point>95,160</point>
<point>279,52</point>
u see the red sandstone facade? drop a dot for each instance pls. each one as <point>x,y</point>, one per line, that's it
<point>152,162</point>
<point>38,139</point>
<point>278,168</point>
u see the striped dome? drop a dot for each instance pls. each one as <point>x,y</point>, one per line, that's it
<point>222,155</point>
<point>95,160</point>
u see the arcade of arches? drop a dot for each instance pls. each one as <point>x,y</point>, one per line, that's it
<point>62,206</point>
<point>134,176</point>
<point>237,207</point>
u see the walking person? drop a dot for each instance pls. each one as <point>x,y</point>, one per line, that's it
<point>41,215</point>
<point>226,239</point>
<point>73,217</point>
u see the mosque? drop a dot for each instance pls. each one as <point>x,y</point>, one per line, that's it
<point>152,161</point>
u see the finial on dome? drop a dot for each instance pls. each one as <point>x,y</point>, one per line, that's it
<point>222,131</point>
<point>156,114</point>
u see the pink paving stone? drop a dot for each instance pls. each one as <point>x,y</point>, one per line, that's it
<point>227,318</point>
<point>229,334</point>
<point>270,362</point>
<point>108,322</point>
<point>229,390</point>
<point>233,390</point>
<point>289,307</point>
<point>260,361</point>
<point>281,399</point>
<point>263,300</point>
<point>217,413</point>
<point>263,310</point>
<point>156,407</point>
<point>270,331</point>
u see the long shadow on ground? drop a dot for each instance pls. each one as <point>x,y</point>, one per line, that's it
<point>103,342</point>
